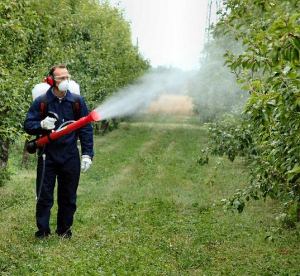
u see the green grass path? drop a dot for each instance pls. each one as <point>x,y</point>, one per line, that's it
<point>147,208</point>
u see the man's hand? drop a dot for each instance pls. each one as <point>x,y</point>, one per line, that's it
<point>86,162</point>
<point>48,123</point>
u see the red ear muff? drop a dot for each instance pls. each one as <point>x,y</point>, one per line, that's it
<point>49,80</point>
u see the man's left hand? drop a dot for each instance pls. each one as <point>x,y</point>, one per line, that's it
<point>86,162</point>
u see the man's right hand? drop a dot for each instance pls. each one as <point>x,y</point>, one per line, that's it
<point>48,123</point>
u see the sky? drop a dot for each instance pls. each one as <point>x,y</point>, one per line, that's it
<point>169,32</point>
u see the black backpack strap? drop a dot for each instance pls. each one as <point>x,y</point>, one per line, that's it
<point>43,107</point>
<point>76,107</point>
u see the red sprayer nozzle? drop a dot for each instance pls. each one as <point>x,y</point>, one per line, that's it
<point>92,117</point>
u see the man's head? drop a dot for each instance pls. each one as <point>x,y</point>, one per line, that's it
<point>61,76</point>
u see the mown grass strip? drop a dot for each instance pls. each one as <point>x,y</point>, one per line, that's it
<point>146,207</point>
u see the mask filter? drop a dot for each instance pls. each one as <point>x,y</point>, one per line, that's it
<point>63,86</point>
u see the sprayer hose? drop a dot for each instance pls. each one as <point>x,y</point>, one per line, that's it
<point>42,177</point>
<point>65,123</point>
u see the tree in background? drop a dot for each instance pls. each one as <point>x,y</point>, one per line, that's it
<point>269,69</point>
<point>93,39</point>
<point>214,89</point>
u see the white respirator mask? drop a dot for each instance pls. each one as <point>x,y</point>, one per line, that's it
<point>64,85</point>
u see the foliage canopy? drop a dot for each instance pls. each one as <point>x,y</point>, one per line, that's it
<point>269,69</point>
<point>93,39</point>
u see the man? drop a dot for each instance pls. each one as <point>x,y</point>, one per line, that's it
<point>60,158</point>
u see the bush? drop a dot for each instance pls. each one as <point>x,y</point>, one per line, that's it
<point>231,137</point>
<point>269,69</point>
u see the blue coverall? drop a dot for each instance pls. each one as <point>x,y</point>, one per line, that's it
<point>62,160</point>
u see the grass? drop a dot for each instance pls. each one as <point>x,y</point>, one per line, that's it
<point>146,207</point>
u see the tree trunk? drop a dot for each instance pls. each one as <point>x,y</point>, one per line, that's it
<point>298,211</point>
<point>25,156</point>
<point>102,127</point>
<point>4,147</point>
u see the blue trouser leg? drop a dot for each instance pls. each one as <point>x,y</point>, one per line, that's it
<point>45,200</point>
<point>67,179</point>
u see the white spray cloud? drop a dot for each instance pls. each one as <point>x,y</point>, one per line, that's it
<point>215,90</point>
<point>136,98</point>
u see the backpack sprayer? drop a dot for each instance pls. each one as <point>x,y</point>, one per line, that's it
<point>40,142</point>
<point>41,89</point>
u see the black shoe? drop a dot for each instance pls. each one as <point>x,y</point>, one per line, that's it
<point>41,234</point>
<point>64,234</point>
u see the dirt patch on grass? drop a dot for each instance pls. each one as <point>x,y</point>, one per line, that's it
<point>165,125</point>
<point>172,104</point>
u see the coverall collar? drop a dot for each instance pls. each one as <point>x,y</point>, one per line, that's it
<point>51,97</point>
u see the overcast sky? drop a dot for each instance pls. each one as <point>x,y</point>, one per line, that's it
<point>169,32</point>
